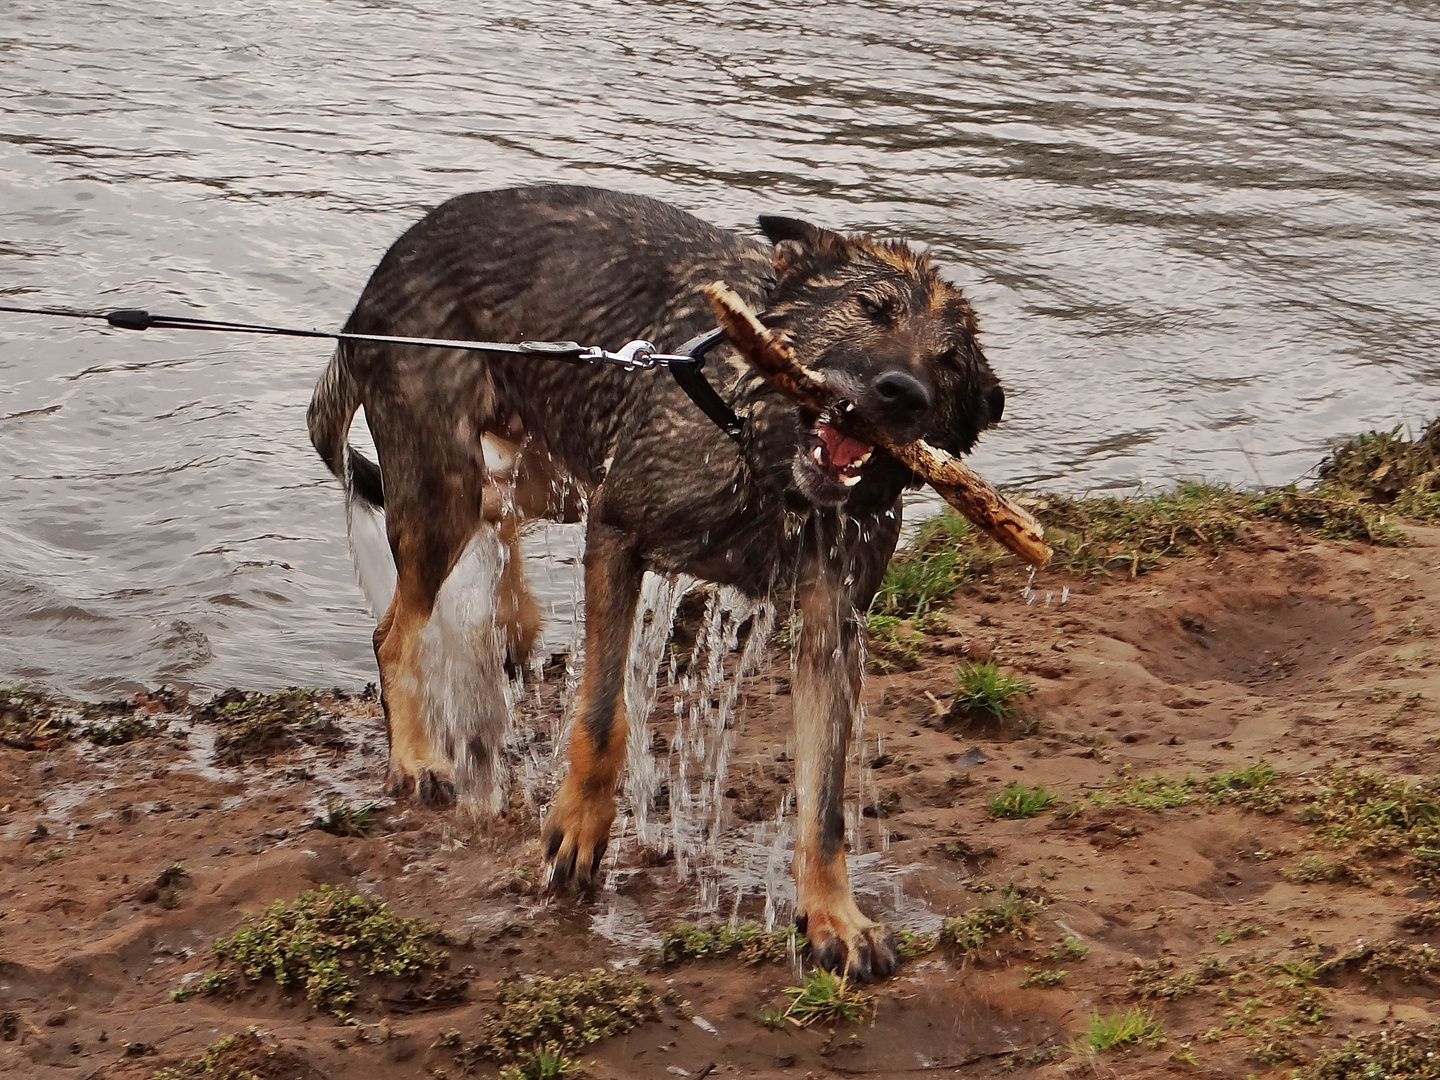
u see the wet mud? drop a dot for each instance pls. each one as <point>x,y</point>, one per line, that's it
<point>1260,922</point>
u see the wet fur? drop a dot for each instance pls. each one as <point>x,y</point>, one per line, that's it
<point>663,488</point>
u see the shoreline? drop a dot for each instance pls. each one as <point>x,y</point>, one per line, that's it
<point>1229,745</point>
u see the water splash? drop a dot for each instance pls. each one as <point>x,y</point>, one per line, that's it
<point>660,599</point>
<point>469,699</point>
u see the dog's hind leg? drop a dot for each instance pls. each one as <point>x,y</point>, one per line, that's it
<point>826,693</point>
<point>417,767</point>
<point>577,828</point>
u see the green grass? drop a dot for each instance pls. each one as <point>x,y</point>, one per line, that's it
<point>893,643</point>
<point>1157,792</point>
<point>985,688</point>
<point>1131,1027</point>
<point>1252,787</point>
<point>342,819</point>
<point>1044,977</point>
<point>1400,1052</point>
<point>1018,801</point>
<point>1010,913</point>
<point>1374,814</point>
<point>910,946</point>
<point>749,942</point>
<point>542,1021</point>
<point>825,998</point>
<point>927,571</point>
<point>315,942</point>
<point>241,1056</point>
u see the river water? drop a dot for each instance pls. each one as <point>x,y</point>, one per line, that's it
<point>1201,237</point>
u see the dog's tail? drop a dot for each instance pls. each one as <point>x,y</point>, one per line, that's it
<point>336,398</point>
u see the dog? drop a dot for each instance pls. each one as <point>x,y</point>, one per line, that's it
<point>470,445</point>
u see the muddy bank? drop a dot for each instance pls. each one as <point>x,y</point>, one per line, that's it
<point>1231,758</point>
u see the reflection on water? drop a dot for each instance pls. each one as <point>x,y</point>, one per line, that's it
<point>1201,238</point>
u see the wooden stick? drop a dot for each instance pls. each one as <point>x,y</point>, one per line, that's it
<point>770,354</point>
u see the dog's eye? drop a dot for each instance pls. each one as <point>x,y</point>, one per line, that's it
<point>880,309</point>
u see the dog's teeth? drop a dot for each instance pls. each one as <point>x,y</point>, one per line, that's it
<point>817,455</point>
<point>863,458</point>
<point>850,479</point>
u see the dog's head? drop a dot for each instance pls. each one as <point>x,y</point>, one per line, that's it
<point>897,342</point>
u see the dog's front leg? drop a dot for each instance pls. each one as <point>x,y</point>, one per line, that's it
<point>577,829</point>
<point>826,695</point>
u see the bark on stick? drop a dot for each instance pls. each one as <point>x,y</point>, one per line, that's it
<point>770,354</point>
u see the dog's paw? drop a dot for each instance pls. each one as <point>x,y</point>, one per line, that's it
<point>426,785</point>
<point>855,946</point>
<point>576,833</point>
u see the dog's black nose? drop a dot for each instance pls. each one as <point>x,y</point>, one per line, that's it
<point>902,397</point>
<point>995,403</point>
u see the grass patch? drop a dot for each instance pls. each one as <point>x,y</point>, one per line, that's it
<point>342,819</point>
<point>1313,868</point>
<point>985,688</point>
<point>1129,1028</point>
<point>542,1021</point>
<point>944,554</point>
<point>1400,1052</point>
<point>242,1056</point>
<point>1010,914</point>
<point>1252,787</point>
<point>1042,977</point>
<point>30,720</point>
<point>314,943</point>
<point>825,998</point>
<point>1157,792</point>
<point>255,727</point>
<point>911,946</point>
<point>1411,963</point>
<point>749,942</point>
<point>1018,801</point>
<point>1384,468</point>
<point>1375,814</point>
<point>893,644</point>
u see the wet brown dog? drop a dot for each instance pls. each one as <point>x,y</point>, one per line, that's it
<point>796,509</point>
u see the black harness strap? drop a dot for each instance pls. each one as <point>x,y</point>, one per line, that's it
<point>692,380</point>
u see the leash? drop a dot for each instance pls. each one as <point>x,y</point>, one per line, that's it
<point>684,366</point>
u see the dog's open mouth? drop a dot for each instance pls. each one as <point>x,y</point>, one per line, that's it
<point>833,460</point>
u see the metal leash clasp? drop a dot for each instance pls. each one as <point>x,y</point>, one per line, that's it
<point>632,356</point>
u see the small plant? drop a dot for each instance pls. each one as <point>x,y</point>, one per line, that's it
<point>1104,1033</point>
<point>750,942</point>
<point>341,819</point>
<point>1018,801</point>
<point>542,1063</point>
<point>894,643</point>
<point>1042,977</point>
<point>1157,792</point>
<point>248,1055</point>
<point>825,998</point>
<point>542,1021</point>
<point>167,885</point>
<point>255,727</point>
<point>909,945</point>
<point>1400,1052</point>
<point>985,688</point>
<point>931,567</point>
<point>1313,868</point>
<point>1009,914</point>
<point>772,1018</point>
<point>1070,948</point>
<point>1252,787</point>
<point>315,941</point>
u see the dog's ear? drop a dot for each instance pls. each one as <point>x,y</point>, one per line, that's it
<point>801,245</point>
